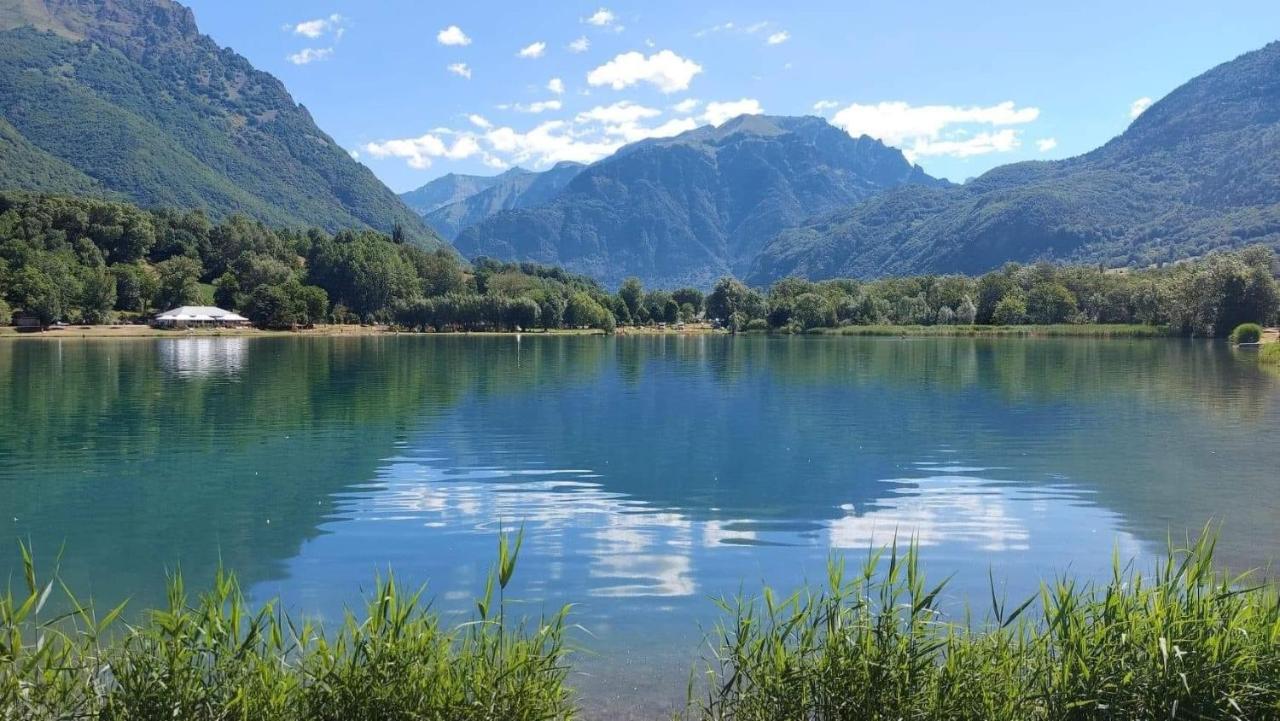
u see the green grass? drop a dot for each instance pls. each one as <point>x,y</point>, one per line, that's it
<point>1063,330</point>
<point>1269,355</point>
<point>1184,643</point>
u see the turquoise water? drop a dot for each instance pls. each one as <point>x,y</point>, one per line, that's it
<point>651,474</point>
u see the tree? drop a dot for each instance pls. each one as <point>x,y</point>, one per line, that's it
<point>97,296</point>
<point>1049,303</point>
<point>6,313</point>
<point>521,313</point>
<point>37,294</point>
<point>1011,310</point>
<point>311,303</point>
<point>270,306</point>
<point>179,282</point>
<point>632,293</point>
<point>814,311</point>
<point>730,296</point>
<point>967,312</point>
<point>689,296</point>
<point>226,291</point>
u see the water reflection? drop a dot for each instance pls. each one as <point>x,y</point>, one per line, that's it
<point>203,356</point>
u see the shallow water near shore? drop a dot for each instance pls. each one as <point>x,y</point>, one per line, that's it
<point>651,474</point>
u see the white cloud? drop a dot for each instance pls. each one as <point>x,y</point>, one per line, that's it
<point>688,105</point>
<point>601,18</point>
<point>549,143</point>
<point>664,70</point>
<point>452,35</point>
<point>355,154</point>
<point>1001,141</point>
<point>479,121</point>
<point>823,105</point>
<point>318,27</point>
<point>621,112</point>
<point>756,27</point>
<point>421,150</point>
<point>581,45</point>
<point>533,51</point>
<point>1139,106</point>
<point>718,113</point>
<point>722,27</point>
<point>556,85</point>
<point>461,70</point>
<point>1044,145</point>
<point>310,55</point>
<point>779,38</point>
<point>931,129</point>
<point>539,107</point>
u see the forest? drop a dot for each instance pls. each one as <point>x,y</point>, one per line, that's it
<point>96,261</point>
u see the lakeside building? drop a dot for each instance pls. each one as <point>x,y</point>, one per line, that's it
<point>199,316</point>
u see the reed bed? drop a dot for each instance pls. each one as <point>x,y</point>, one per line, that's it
<point>1184,643</point>
<point>214,658</point>
<point>1063,330</point>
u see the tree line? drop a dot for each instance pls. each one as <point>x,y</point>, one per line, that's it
<point>85,260</point>
<point>1208,297</point>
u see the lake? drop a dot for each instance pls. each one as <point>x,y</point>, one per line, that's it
<point>651,474</point>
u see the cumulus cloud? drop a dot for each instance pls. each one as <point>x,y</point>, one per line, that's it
<point>461,70</point>
<point>1044,145</point>
<point>479,121</point>
<point>452,35</point>
<point>556,85</point>
<point>534,50</point>
<point>310,55</point>
<point>719,112</point>
<point>778,38</point>
<point>823,105</point>
<point>688,105</point>
<point>319,27</point>
<point>1139,106</point>
<point>581,45</point>
<point>601,18</point>
<point>664,70</point>
<point>420,151</point>
<point>620,112</point>
<point>932,129</point>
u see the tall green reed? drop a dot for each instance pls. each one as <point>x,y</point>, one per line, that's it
<point>216,658</point>
<point>1185,643</point>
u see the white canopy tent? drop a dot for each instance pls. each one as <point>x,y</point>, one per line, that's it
<point>198,316</point>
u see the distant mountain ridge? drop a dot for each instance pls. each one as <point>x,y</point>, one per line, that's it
<point>512,190</point>
<point>1198,170</point>
<point>686,209</point>
<point>451,188</point>
<point>126,98</point>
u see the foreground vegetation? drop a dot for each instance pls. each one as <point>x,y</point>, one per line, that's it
<point>93,261</point>
<point>214,657</point>
<point>1186,643</point>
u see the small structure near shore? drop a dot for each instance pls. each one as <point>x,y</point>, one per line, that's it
<point>199,316</point>
<point>27,322</point>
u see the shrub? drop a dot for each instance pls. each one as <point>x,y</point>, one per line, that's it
<point>1246,333</point>
<point>757,324</point>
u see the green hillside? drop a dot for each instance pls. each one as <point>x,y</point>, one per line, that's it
<point>126,97</point>
<point>1197,171</point>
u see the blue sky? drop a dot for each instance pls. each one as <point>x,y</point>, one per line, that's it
<point>419,89</point>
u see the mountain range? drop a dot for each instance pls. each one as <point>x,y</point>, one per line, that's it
<point>454,202</point>
<point>126,99</point>
<point>767,197</point>
<point>688,209</point>
<point>1198,170</point>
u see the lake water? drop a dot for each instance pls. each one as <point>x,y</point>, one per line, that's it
<point>651,474</point>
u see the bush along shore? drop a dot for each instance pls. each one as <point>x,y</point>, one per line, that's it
<point>1186,642</point>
